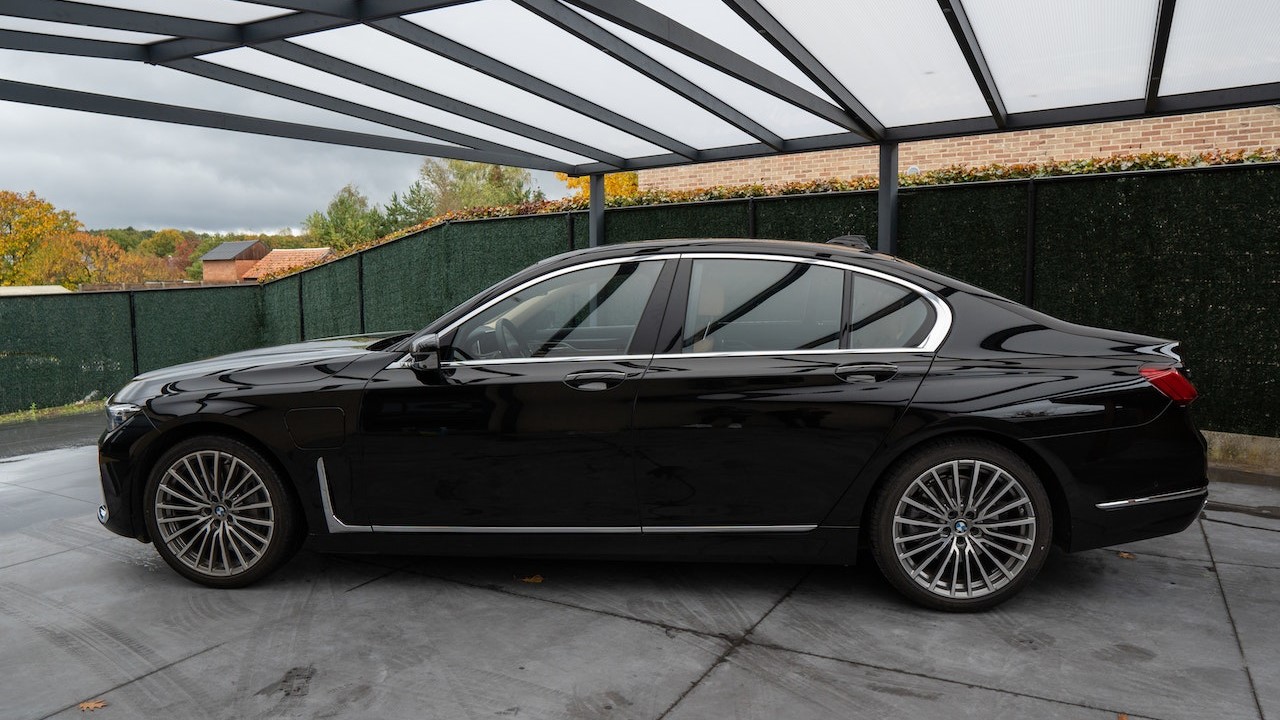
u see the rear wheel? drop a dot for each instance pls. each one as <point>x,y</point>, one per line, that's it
<point>218,512</point>
<point>961,525</point>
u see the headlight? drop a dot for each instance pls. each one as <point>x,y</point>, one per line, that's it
<point>117,413</point>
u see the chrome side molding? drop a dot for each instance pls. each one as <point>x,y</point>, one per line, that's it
<point>1166,497</point>
<point>331,521</point>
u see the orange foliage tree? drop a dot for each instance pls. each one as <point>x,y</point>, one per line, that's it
<point>41,245</point>
<point>26,220</point>
<point>619,184</point>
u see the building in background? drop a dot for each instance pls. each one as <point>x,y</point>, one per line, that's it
<point>1226,130</point>
<point>252,260</point>
<point>228,262</point>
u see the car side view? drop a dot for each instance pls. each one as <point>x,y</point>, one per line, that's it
<point>726,400</point>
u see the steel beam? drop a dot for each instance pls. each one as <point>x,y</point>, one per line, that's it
<point>1159,47</point>
<point>60,45</point>
<point>887,216</point>
<point>73,13</point>
<point>450,49</point>
<point>595,210</point>
<point>579,26</point>
<point>143,110</point>
<point>967,41</point>
<point>358,73</point>
<point>249,81</point>
<point>652,24</point>
<point>286,26</point>
<point>793,50</point>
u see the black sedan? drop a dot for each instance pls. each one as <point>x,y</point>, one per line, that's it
<point>681,399</point>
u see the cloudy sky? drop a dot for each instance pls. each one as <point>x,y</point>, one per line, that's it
<point>117,172</point>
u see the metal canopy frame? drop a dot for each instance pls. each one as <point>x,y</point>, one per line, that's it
<point>727,69</point>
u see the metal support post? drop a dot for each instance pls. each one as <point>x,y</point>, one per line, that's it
<point>887,241</point>
<point>595,211</point>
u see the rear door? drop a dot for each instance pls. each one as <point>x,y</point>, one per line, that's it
<point>777,380</point>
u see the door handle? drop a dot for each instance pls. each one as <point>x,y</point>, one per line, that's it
<point>868,373</point>
<point>594,380</point>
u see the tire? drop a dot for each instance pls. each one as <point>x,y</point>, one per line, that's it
<point>218,512</point>
<point>955,540</point>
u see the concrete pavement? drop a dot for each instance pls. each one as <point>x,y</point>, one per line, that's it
<point>1175,628</point>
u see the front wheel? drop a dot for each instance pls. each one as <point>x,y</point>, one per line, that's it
<point>218,512</point>
<point>961,525</point>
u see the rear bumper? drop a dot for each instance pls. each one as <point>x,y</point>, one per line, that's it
<point>1132,519</point>
<point>1130,484</point>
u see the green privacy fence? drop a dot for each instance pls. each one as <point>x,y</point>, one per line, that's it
<point>1186,254</point>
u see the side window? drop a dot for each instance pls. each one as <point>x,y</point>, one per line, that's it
<point>593,311</point>
<point>887,315</point>
<point>745,305</point>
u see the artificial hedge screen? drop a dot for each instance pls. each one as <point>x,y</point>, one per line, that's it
<point>1192,255</point>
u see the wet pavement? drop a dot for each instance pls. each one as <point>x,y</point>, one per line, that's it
<point>1181,627</point>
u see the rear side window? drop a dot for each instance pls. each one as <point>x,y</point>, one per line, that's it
<point>762,305</point>
<point>887,315</point>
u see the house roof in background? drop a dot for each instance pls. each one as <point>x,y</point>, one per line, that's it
<point>278,261</point>
<point>233,250</point>
<point>585,86</point>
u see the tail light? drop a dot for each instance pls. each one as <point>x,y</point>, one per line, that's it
<point>1172,383</point>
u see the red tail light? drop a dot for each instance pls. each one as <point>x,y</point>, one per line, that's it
<point>1172,383</point>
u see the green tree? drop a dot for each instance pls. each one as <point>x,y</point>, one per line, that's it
<point>418,204</point>
<point>348,220</point>
<point>458,184</point>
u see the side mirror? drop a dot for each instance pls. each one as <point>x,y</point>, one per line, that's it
<point>424,354</point>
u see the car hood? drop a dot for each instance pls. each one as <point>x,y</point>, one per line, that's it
<point>278,365</point>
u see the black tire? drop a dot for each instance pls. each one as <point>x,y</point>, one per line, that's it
<point>218,512</point>
<point>968,555</point>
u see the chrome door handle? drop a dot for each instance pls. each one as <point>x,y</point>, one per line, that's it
<point>866,373</point>
<point>594,381</point>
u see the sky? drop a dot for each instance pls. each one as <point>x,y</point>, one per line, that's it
<point>120,172</point>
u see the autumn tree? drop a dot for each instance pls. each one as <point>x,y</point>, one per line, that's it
<point>25,221</point>
<point>73,259</point>
<point>348,220</point>
<point>161,244</point>
<point>616,184</point>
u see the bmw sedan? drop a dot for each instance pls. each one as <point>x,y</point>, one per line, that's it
<point>719,400</point>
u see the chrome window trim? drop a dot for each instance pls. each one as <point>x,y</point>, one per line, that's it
<point>941,324</point>
<point>1166,497</point>
<point>932,341</point>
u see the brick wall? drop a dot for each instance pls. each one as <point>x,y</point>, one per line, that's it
<point>1246,129</point>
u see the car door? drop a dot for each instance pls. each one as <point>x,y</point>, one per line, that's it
<point>780,379</point>
<point>527,424</point>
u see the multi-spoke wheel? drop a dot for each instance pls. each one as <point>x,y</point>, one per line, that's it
<point>961,525</point>
<point>218,513</point>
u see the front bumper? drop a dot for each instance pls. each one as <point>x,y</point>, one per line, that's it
<point>118,470</point>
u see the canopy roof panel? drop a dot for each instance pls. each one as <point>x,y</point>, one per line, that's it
<point>588,86</point>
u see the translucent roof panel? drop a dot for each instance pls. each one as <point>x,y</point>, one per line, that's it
<point>1098,51</point>
<point>380,52</point>
<point>780,116</point>
<point>716,21</point>
<point>1215,44</point>
<point>270,66</point>
<point>898,58</point>
<point>226,11</point>
<point>508,33</point>
<point>86,32</point>
<point>122,78</point>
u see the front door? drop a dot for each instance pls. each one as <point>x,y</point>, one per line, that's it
<point>527,426</point>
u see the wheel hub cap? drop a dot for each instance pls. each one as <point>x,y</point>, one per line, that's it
<point>961,527</point>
